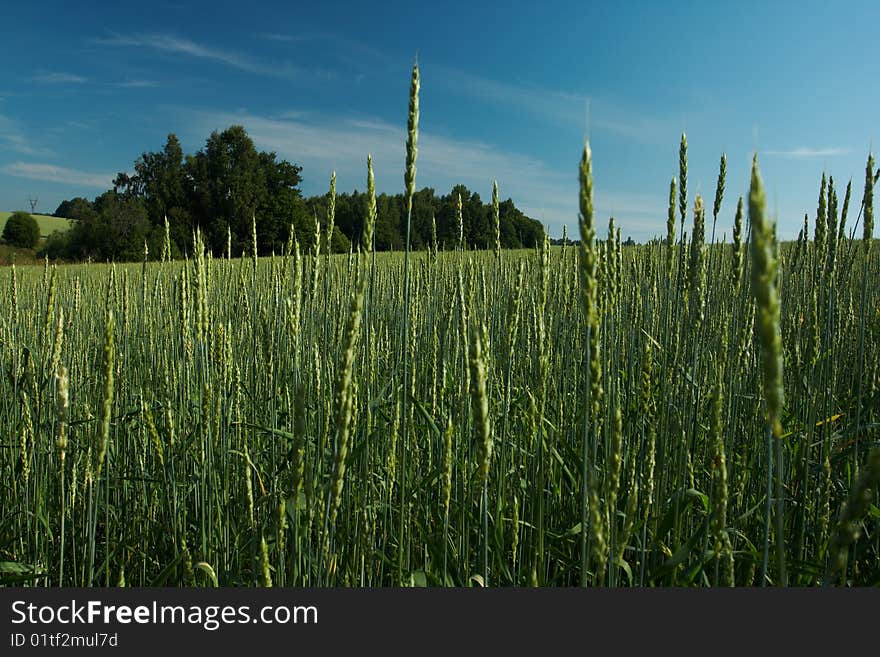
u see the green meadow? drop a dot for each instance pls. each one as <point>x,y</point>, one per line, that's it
<point>48,224</point>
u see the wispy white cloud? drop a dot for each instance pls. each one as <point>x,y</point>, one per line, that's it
<point>290,115</point>
<point>56,174</point>
<point>568,108</point>
<point>18,143</point>
<point>281,38</point>
<point>61,78</point>
<point>359,55</point>
<point>13,138</point>
<point>82,125</point>
<point>322,143</point>
<point>635,125</point>
<point>136,84</point>
<point>58,77</point>
<point>572,109</point>
<point>805,153</point>
<point>174,45</point>
<point>565,106</point>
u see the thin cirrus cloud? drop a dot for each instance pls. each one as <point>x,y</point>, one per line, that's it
<point>281,38</point>
<point>564,108</point>
<point>569,108</point>
<point>322,144</point>
<point>367,59</point>
<point>59,77</point>
<point>13,138</point>
<point>136,84</point>
<point>18,143</point>
<point>170,44</point>
<point>56,174</point>
<point>804,153</point>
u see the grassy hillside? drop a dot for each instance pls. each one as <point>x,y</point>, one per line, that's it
<point>10,254</point>
<point>48,224</point>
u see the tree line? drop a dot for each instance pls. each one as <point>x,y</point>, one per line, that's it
<point>229,184</point>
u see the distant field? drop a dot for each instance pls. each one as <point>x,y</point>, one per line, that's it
<point>48,224</point>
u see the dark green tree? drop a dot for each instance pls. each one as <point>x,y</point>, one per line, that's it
<point>517,230</point>
<point>116,230</point>
<point>21,230</point>
<point>160,179</point>
<point>282,204</point>
<point>232,184</point>
<point>228,186</point>
<point>475,215</point>
<point>74,208</point>
<point>424,207</point>
<point>390,222</point>
<point>57,245</point>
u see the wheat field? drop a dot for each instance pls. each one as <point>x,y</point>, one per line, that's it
<point>681,413</point>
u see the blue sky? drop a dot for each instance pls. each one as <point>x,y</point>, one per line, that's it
<point>505,92</point>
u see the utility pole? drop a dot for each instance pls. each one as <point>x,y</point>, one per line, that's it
<point>33,201</point>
